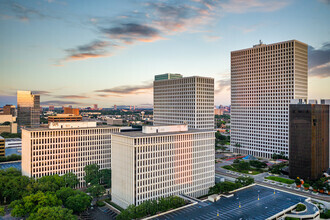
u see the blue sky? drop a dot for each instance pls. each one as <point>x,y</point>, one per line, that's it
<point>107,52</point>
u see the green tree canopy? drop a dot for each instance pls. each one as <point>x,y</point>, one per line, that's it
<point>96,190</point>
<point>105,177</point>
<point>244,181</point>
<point>78,202</point>
<point>70,180</point>
<point>47,183</point>
<point>52,213</point>
<point>92,175</point>
<point>31,204</point>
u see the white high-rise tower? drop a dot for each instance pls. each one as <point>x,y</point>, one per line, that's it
<point>264,79</point>
<point>184,100</point>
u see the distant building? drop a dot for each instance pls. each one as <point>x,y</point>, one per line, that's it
<point>8,124</point>
<point>2,147</point>
<point>309,140</point>
<point>220,111</point>
<point>187,100</point>
<point>51,108</point>
<point>64,118</point>
<point>264,79</point>
<point>13,142</point>
<point>28,109</point>
<point>115,107</point>
<point>64,147</point>
<point>161,161</point>
<point>114,121</point>
<point>9,110</point>
<point>95,107</point>
<point>69,110</point>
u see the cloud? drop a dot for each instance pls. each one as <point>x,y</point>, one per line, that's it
<point>325,1</point>
<point>222,84</point>
<point>41,92</point>
<point>72,97</point>
<point>243,6</point>
<point>319,61</point>
<point>94,49</point>
<point>127,90</point>
<point>131,32</point>
<point>61,103</point>
<point>21,12</point>
<point>212,38</point>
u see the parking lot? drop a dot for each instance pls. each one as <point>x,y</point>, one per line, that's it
<point>243,205</point>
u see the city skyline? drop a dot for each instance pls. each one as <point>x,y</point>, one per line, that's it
<point>107,52</point>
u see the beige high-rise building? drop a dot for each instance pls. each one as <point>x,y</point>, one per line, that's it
<point>161,161</point>
<point>184,100</point>
<point>64,147</point>
<point>28,109</point>
<point>264,79</point>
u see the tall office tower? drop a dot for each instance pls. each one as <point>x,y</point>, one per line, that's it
<point>161,161</point>
<point>28,109</point>
<point>64,147</point>
<point>184,100</point>
<point>2,147</point>
<point>309,140</point>
<point>264,79</point>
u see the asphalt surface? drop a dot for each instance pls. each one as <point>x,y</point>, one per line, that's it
<point>243,205</point>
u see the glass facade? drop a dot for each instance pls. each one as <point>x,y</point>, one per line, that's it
<point>28,109</point>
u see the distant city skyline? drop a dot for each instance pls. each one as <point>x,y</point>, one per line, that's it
<point>107,52</point>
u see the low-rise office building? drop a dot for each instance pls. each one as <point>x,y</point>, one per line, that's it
<point>64,118</point>
<point>161,161</point>
<point>2,147</point>
<point>64,147</point>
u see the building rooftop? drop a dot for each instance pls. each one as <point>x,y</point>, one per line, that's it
<point>1,138</point>
<point>134,134</point>
<point>46,128</point>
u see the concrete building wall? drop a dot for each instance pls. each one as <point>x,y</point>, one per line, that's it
<point>59,151</point>
<point>264,79</point>
<point>188,100</point>
<point>151,166</point>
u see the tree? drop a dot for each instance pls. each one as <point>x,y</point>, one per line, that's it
<point>70,180</point>
<point>64,193</point>
<point>31,204</point>
<point>92,175</point>
<point>52,213</point>
<point>244,181</point>
<point>96,190</point>
<point>105,177</point>
<point>47,183</point>
<point>79,202</point>
<point>2,211</point>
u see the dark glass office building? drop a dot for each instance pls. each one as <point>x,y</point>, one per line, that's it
<point>308,140</point>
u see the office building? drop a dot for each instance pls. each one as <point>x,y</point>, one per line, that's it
<point>115,107</point>
<point>114,121</point>
<point>184,100</point>
<point>327,102</point>
<point>70,110</point>
<point>8,124</point>
<point>9,110</point>
<point>28,109</point>
<point>64,147</point>
<point>264,79</point>
<point>309,140</point>
<point>161,161</point>
<point>96,107</point>
<point>64,118</point>
<point>51,108</point>
<point>2,147</point>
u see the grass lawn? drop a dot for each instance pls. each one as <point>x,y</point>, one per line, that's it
<point>280,179</point>
<point>254,172</point>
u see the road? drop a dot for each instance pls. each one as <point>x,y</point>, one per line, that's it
<point>259,180</point>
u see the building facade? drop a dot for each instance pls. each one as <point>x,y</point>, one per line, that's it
<point>309,140</point>
<point>64,118</point>
<point>161,161</point>
<point>184,100</point>
<point>65,147</point>
<point>264,79</point>
<point>28,109</point>
<point>9,110</point>
<point>2,147</point>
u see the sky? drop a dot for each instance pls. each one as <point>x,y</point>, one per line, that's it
<point>107,52</point>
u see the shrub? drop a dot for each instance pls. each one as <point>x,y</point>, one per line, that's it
<point>300,207</point>
<point>100,203</point>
